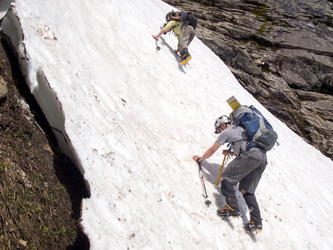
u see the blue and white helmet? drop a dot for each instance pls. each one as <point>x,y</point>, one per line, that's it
<point>219,121</point>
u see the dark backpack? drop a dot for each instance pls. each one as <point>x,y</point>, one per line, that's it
<point>190,19</point>
<point>259,132</point>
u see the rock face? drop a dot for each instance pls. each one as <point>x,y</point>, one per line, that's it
<point>281,51</point>
<point>3,89</point>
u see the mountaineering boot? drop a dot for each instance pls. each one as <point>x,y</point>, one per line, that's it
<point>251,226</point>
<point>185,59</point>
<point>185,56</point>
<point>227,211</point>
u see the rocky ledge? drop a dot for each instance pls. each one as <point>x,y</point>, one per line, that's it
<point>281,51</point>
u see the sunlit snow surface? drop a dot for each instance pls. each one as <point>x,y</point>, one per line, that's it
<point>132,118</point>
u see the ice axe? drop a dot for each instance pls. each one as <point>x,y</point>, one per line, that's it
<point>222,166</point>
<point>157,46</point>
<point>218,177</point>
<point>204,192</point>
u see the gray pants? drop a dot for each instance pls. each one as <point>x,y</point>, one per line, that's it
<point>186,37</point>
<point>246,169</point>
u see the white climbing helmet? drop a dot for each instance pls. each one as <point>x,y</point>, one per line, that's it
<point>219,121</point>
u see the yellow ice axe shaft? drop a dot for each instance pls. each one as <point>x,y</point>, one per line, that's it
<point>218,178</point>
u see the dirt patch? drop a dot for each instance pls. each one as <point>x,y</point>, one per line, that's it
<point>40,189</point>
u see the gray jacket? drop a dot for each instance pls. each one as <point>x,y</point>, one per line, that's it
<point>232,134</point>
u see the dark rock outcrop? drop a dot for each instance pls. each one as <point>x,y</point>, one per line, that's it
<point>281,51</point>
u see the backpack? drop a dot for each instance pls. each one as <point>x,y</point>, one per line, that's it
<point>259,132</point>
<point>190,19</point>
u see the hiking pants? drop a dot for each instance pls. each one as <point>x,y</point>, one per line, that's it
<point>246,169</point>
<point>253,206</point>
<point>186,37</point>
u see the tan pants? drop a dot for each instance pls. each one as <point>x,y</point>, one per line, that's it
<point>186,37</point>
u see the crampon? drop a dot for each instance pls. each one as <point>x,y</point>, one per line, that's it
<point>227,211</point>
<point>252,227</point>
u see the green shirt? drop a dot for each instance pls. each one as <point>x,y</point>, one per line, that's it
<point>174,26</point>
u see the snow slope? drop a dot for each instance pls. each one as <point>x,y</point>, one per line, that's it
<point>131,118</point>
